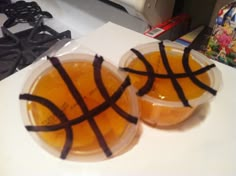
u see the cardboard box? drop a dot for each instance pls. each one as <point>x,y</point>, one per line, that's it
<point>170,29</point>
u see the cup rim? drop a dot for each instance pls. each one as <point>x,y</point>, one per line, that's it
<point>95,155</point>
<point>214,73</point>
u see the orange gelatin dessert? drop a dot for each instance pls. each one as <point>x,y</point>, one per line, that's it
<point>82,108</point>
<point>170,82</point>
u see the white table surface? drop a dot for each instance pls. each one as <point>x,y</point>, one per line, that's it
<point>203,145</point>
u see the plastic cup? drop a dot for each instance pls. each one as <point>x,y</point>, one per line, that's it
<point>80,107</point>
<point>169,89</point>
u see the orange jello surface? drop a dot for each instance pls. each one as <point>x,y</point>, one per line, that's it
<point>163,88</point>
<point>51,86</point>
<point>160,114</point>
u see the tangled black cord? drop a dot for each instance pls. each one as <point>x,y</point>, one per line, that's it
<point>24,12</point>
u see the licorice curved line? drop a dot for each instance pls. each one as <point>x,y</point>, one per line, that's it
<point>166,76</point>
<point>173,79</point>
<point>58,113</point>
<point>149,83</point>
<point>69,83</point>
<point>185,62</point>
<point>99,82</point>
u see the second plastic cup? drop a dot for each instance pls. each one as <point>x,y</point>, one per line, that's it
<point>170,81</point>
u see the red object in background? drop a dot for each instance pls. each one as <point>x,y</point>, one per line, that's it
<point>170,29</point>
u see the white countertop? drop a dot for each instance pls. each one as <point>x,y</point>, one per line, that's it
<point>203,145</point>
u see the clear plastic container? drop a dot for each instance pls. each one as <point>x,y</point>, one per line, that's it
<point>167,89</point>
<point>80,107</point>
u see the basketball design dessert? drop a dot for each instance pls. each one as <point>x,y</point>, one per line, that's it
<point>170,81</point>
<point>80,106</point>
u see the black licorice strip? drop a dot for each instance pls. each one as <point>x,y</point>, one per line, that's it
<point>80,101</point>
<point>97,64</point>
<point>100,137</point>
<point>69,83</point>
<point>47,103</point>
<point>185,61</point>
<point>175,83</point>
<point>150,80</point>
<point>166,76</point>
<point>58,113</point>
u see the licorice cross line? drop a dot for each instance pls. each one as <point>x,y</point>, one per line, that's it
<point>173,79</point>
<point>89,115</point>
